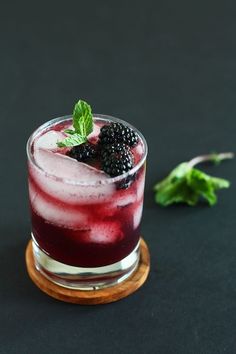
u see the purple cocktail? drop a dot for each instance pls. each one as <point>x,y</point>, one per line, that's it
<point>85,222</point>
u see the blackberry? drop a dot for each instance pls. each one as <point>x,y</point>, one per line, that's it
<point>83,152</point>
<point>107,150</point>
<point>116,159</point>
<point>118,133</point>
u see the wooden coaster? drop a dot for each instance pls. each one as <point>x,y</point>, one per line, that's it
<point>91,297</point>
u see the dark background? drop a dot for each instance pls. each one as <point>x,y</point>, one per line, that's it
<point>169,68</point>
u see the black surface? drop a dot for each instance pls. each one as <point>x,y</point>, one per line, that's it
<point>169,68</point>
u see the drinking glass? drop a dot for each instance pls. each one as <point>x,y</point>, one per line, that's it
<point>86,230</point>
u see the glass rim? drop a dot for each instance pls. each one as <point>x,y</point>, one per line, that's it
<point>108,180</point>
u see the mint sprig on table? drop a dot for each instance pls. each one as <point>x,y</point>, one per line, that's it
<point>186,184</point>
<point>82,124</point>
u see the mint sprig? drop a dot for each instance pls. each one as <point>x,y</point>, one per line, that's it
<point>82,124</point>
<point>186,184</point>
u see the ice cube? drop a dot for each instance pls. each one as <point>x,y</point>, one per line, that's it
<point>93,137</point>
<point>32,192</point>
<point>65,167</point>
<point>108,209</point>
<point>56,213</point>
<point>137,215</point>
<point>139,149</point>
<point>140,186</point>
<point>125,199</point>
<point>138,152</point>
<point>105,232</point>
<point>49,140</point>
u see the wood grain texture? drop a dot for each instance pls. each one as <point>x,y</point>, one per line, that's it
<point>92,297</point>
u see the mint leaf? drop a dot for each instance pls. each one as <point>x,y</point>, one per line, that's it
<point>219,183</point>
<point>73,140</point>
<point>206,185</point>
<point>82,124</point>
<point>189,185</point>
<point>176,175</point>
<point>82,118</point>
<point>174,189</point>
<point>202,184</point>
<point>69,131</point>
<point>177,192</point>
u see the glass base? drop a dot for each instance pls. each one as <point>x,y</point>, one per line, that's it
<point>81,278</point>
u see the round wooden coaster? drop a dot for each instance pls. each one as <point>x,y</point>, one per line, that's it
<point>91,297</point>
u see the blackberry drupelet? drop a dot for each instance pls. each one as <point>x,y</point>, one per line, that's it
<point>83,152</point>
<point>116,159</point>
<point>118,133</point>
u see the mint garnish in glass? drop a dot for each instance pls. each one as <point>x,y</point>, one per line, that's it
<point>82,124</point>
